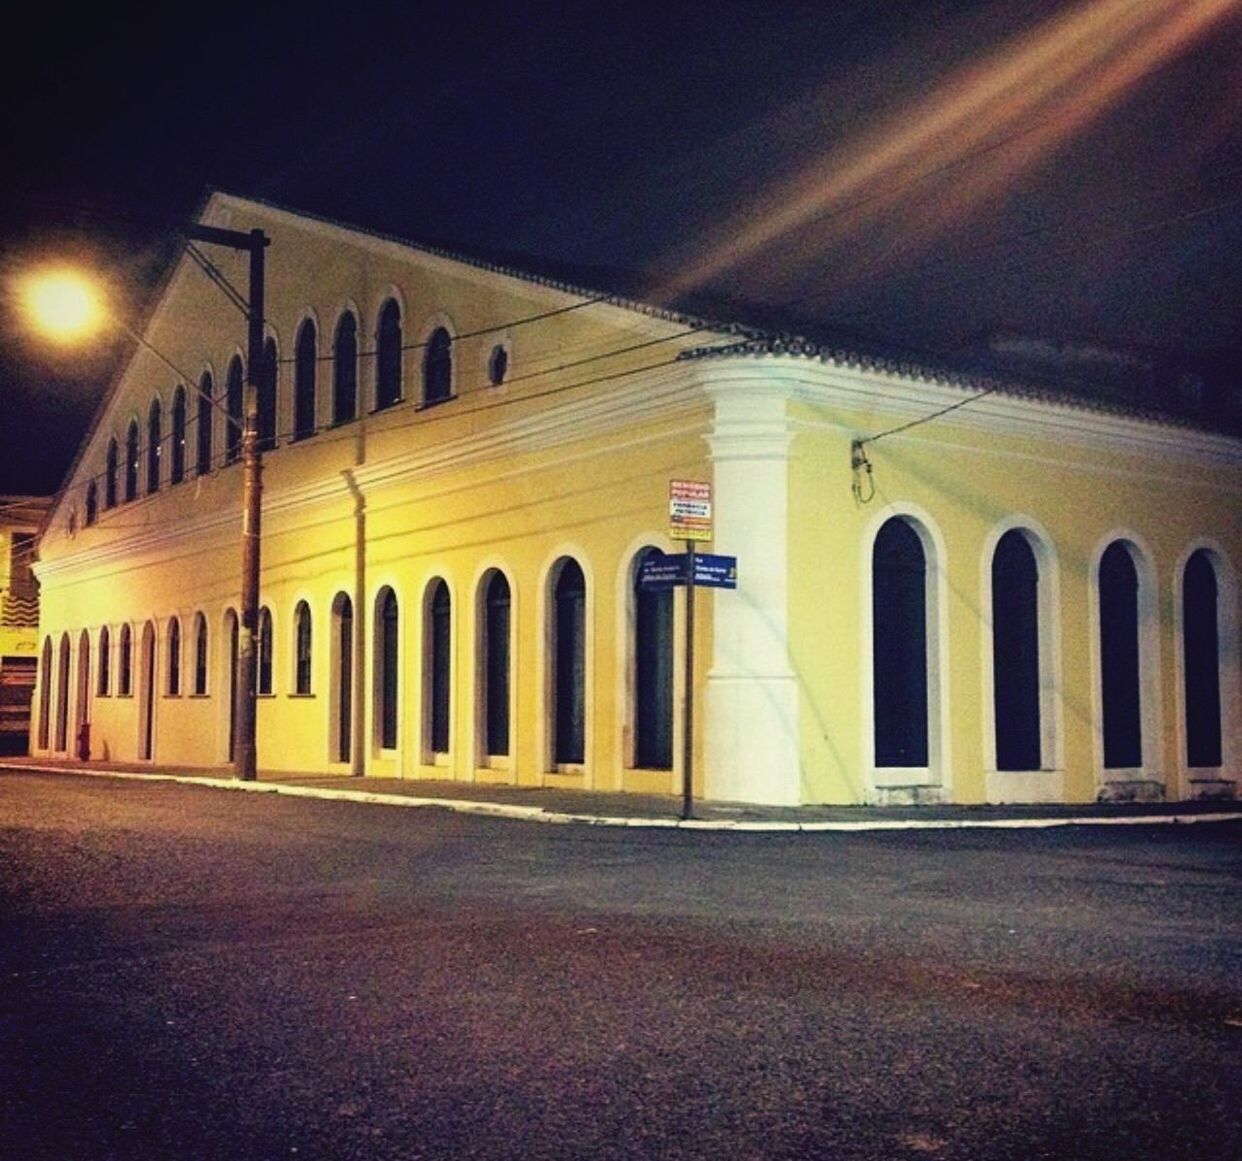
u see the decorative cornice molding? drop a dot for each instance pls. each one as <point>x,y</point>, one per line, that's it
<point>830,386</point>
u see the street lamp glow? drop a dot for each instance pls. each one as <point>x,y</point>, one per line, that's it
<point>63,305</point>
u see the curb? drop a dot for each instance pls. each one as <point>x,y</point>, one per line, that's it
<point>539,814</point>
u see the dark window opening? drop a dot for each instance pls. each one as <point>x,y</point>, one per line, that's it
<point>899,643</point>
<point>176,471</point>
<point>131,461</point>
<point>264,683</point>
<point>1119,659</point>
<point>206,391</point>
<point>388,672</point>
<point>103,680</point>
<point>110,476</point>
<point>497,365</point>
<point>155,437</point>
<point>438,367</point>
<point>1201,648</point>
<point>653,673</point>
<point>302,646</point>
<point>343,610</point>
<point>388,357</point>
<point>174,657</point>
<point>569,664</point>
<point>200,655</point>
<point>234,402</point>
<point>496,664</point>
<point>345,370</point>
<point>267,397</point>
<point>304,374</point>
<point>439,659</point>
<point>1015,653</point>
<point>125,663</point>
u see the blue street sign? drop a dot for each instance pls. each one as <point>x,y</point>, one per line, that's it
<point>715,572</point>
<point>662,571</point>
<point>667,570</point>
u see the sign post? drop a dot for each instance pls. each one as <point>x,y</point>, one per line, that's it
<point>690,520</point>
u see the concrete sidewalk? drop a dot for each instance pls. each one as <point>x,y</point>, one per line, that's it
<point>538,804</point>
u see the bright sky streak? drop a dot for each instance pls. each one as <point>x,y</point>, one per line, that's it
<point>984,126</point>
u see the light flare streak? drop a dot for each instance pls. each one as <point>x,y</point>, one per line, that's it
<point>975,134</point>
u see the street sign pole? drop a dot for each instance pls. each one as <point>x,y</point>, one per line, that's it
<point>687,736</point>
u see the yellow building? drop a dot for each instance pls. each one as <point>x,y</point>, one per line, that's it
<point>949,589</point>
<point>20,517</point>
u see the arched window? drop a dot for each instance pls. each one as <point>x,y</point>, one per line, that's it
<point>234,391</point>
<point>204,410</point>
<point>438,367</point>
<point>345,369</point>
<point>1015,653</point>
<point>200,654</point>
<point>302,648</point>
<point>82,694</point>
<point>62,694</point>
<point>146,694</point>
<point>176,470</point>
<point>387,661</point>
<point>131,460</point>
<point>388,356</point>
<point>438,666</point>
<point>125,663</point>
<point>653,672</point>
<point>103,679</point>
<point>1201,660</point>
<point>92,503</point>
<point>174,657</point>
<point>494,670</point>
<point>155,437</point>
<point>109,477</point>
<point>569,664</point>
<point>263,682</point>
<point>267,396</point>
<point>232,633</point>
<point>343,677</point>
<point>45,695</point>
<point>1120,690</point>
<point>899,646</point>
<point>305,365</point>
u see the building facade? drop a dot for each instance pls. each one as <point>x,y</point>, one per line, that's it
<point>949,590</point>
<point>20,517</point>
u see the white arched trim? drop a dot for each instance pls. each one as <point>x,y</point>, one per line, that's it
<point>930,783</point>
<point>1047,783</point>
<point>1196,782</point>
<point>1144,780</point>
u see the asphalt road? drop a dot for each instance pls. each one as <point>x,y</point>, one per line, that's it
<point>189,973</point>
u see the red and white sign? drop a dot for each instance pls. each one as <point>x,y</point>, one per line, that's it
<point>689,510</point>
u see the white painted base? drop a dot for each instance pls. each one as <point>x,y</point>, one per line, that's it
<point>1212,788</point>
<point>910,795</point>
<point>1131,790</point>
<point>1013,786</point>
<point>751,740</point>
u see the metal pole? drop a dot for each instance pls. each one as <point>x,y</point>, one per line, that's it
<point>246,755</point>
<point>687,733</point>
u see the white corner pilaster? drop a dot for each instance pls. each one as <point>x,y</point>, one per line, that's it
<point>751,744</point>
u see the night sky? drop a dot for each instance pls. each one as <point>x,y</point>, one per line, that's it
<point>911,176</point>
